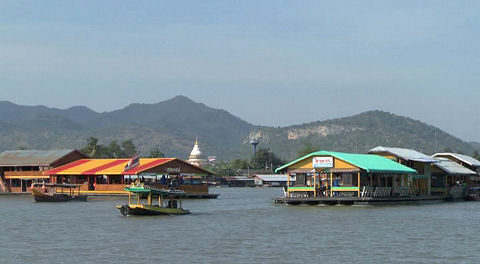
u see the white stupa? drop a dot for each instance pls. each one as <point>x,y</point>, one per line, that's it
<point>196,157</point>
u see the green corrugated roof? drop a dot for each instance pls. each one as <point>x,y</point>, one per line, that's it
<point>368,162</point>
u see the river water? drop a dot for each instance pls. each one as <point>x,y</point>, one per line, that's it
<point>241,226</point>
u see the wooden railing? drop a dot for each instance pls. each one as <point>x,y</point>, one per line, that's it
<point>23,173</point>
<point>190,189</point>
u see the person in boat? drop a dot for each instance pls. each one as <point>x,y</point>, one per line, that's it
<point>44,188</point>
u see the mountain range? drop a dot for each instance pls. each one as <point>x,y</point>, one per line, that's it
<point>173,125</point>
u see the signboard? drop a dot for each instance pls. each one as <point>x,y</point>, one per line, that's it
<point>173,170</point>
<point>134,162</point>
<point>323,162</point>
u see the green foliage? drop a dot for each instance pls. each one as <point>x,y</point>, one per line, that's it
<point>156,153</point>
<point>307,149</point>
<point>222,169</point>
<point>95,150</point>
<point>115,150</point>
<point>129,148</point>
<point>476,155</point>
<point>265,159</point>
<point>91,148</point>
<point>240,164</point>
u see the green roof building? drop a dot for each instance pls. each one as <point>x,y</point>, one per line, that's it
<point>327,173</point>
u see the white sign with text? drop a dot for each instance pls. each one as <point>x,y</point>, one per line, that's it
<point>323,162</point>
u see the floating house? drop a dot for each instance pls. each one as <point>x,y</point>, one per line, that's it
<point>272,180</point>
<point>464,160</point>
<point>110,176</point>
<point>19,168</point>
<point>447,174</point>
<point>237,181</point>
<point>336,177</point>
<point>422,163</point>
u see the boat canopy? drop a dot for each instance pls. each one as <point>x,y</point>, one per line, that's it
<point>142,189</point>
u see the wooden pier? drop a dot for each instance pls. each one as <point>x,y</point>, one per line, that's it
<point>353,200</point>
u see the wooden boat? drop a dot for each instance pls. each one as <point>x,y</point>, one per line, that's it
<point>53,192</point>
<point>473,194</point>
<point>169,202</point>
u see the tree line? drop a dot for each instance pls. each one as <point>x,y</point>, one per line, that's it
<point>126,149</point>
<point>264,159</point>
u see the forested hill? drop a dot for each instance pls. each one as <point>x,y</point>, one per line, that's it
<point>172,126</point>
<point>359,133</point>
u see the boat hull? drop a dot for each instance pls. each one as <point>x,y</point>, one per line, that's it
<point>40,196</point>
<point>150,210</point>
<point>472,198</point>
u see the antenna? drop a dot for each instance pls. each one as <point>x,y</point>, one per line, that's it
<point>254,143</point>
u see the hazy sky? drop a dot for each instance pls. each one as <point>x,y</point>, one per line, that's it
<point>268,62</point>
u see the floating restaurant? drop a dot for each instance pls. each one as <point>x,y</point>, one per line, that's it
<point>20,169</point>
<point>344,178</point>
<point>110,176</point>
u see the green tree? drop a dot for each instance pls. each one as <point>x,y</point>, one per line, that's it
<point>265,159</point>
<point>307,149</point>
<point>156,153</point>
<point>91,149</point>
<point>114,150</point>
<point>95,150</point>
<point>240,164</point>
<point>129,149</point>
<point>222,169</point>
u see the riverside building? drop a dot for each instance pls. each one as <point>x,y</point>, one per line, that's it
<point>334,177</point>
<point>19,168</point>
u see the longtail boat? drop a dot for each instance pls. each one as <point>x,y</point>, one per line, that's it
<point>54,192</point>
<point>169,202</point>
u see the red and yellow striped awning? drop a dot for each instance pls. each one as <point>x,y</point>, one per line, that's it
<point>106,167</point>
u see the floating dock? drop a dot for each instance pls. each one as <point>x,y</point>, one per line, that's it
<point>352,200</point>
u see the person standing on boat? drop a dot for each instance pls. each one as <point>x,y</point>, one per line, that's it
<point>44,188</point>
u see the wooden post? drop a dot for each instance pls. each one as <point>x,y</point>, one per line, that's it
<point>129,198</point>
<point>288,184</point>
<point>428,173</point>
<point>358,182</point>
<point>149,200</point>
<point>446,184</point>
<point>314,184</point>
<point>331,184</point>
